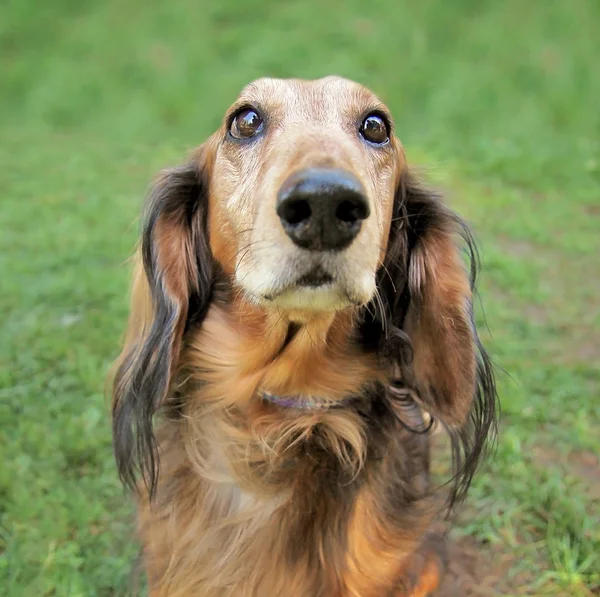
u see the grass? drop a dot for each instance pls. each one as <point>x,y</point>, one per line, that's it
<point>498,99</point>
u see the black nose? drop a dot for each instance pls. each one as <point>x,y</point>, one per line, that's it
<point>322,209</point>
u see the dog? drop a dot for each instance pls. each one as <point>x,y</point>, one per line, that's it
<point>300,316</point>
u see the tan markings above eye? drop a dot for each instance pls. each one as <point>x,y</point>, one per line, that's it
<point>246,124</point>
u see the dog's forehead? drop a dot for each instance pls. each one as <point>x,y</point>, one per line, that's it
<point>311,98</point>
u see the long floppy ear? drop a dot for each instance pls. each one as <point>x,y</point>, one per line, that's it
<point>430,330</point>
<point>172,282</point>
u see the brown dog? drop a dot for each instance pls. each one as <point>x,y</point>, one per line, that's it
<point>299,311</point>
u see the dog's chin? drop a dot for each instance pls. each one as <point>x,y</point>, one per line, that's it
<point>316,290</point>
<point>327,297</point>
<point>308,295</point>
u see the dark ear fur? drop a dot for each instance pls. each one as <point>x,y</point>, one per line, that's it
<point>424,324</point>
<point>174,277</point>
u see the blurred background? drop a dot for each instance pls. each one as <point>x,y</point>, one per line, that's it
<point>499,101</point>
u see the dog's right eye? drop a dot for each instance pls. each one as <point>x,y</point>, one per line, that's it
<point>246,123</point>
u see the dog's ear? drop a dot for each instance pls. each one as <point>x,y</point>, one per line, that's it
<point>172,282</point>
<point>428,294</point>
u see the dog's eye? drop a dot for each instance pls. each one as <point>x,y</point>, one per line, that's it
<point>246,123</point>
<point>374,129</point>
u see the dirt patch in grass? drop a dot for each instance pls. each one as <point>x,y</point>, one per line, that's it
<point>581,350</point>
<point>592,210</point>
<point>477,570</point>
<point>582,465</point>
<point>586,466</point>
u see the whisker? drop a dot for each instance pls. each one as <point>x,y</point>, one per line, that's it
<point>387,271</point>
<point>382,309</point>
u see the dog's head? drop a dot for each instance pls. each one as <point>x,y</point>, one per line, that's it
<point>304,202</point>
<point>302,192</point>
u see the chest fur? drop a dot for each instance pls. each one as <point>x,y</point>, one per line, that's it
<point>305,524</point>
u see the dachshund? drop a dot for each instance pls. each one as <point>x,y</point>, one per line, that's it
<point>301,314</point>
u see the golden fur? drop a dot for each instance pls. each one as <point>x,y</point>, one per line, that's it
<point>240,496</point>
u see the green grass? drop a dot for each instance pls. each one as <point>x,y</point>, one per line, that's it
<point>498,99</point>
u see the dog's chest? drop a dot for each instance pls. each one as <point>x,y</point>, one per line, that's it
<point>294,544</point>
<point>217,539</point>
<point>296,529</point>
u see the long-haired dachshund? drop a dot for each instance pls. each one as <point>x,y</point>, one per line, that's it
<point>300,315</point>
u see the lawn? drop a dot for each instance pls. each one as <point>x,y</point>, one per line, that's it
<point>498,100</point>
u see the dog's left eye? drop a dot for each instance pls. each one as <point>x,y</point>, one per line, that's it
<point>374,129</point>
<point>246,123</point>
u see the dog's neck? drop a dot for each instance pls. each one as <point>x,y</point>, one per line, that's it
<point>241,351</point>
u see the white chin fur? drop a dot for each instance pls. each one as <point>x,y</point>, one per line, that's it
<point>266,290</point>
<point>322,298</point>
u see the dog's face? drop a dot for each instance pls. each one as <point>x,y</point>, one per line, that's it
<point>304,201</point>
<point>301,192</point>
